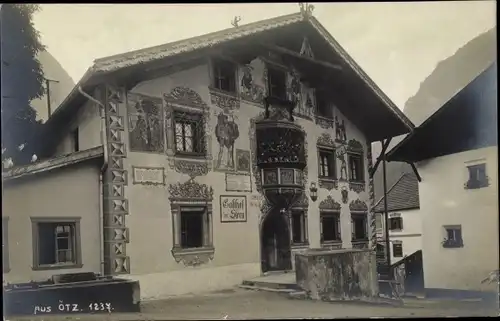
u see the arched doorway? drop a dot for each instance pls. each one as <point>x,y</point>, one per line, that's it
<point>275,243</point>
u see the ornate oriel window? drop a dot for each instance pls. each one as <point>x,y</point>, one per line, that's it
<point>224,74</point>
<point>146,123</point>
<point>191,208</point>
<point>359,224</point>
<point>330,229</point>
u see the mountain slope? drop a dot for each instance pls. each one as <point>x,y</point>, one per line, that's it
<point>448,78</point>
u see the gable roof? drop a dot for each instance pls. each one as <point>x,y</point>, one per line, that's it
<point>133,59</point>
<point>472,107</point>
<point>403,195</point>
<point>53,163</point>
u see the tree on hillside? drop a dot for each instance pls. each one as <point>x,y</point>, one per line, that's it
<point>22,81</point>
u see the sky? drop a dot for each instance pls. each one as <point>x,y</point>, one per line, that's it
<point>398,44</point>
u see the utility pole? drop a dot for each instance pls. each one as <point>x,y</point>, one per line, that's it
<point>47,85</point>
<point>386,214</point>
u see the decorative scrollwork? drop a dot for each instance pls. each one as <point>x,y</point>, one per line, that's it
<point>358,206</point>
<point>329,204</point>
<point>191,168</point>
<point>186,97</point>
<point>325,140</point>
<point>190,190</point>
<point>354,146</point>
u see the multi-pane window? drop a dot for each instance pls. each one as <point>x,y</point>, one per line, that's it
<point>189,134</point>
<point>397,249</point>
<point>56,243</point>
<point>323,106</point>
<point>359,227</point>
<point>355,168</point>
<point>477,176</point>
<point>276,83</point>
<point>224,75</point>
<point>330,227</point>
<point>299,227</point>
<point>395,223</point>
<point>327,163</point>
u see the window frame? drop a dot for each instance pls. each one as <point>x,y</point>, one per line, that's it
<point>302,212</point>
<point>453,243</point>
<point>276,69</point>
<point>216,64</point>
<point>332,167</point>
<point>5,245</point>
<point>361,170</point>
<point>477,182</point>
<point>198,122</point>
<point>329,213</point>
<point>395,219</point>
<point>364,215</point>
<point>400,246</point>
<point>35,221</point>
<point>203,211</point>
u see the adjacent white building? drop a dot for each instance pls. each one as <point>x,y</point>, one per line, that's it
<point>405,224</point>
<point>456,154</point>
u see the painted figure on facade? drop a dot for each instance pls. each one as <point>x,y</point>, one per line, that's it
<point>340,132</point>
<point>145,126</point>
<point>345,194</point>
<point>295,87</point>
<point>226,132</point>
<point>249,90</point>
<point>341,152</point>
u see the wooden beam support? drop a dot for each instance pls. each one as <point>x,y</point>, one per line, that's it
<point>292,53</point>
<point>381,156</point>
<point>415,171</point>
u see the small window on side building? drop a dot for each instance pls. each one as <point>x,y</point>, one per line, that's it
<point>453,236</point>
<point>395,223</point>
<point>477,177</point>
<point>397,249</point>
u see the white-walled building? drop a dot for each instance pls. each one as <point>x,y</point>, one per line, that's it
<point>405,226</point>
<point>156,153</point>
<point>456,154</point>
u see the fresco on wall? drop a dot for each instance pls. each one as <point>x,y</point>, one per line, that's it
<point>251,89</point>
<point>226,132</point>
<point>145,123</point>
<point>340,131</point>
<point>341,155</point>
<point>243,160</point>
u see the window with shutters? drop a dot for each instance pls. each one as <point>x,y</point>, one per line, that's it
<point>395,223</point>
<point>397,249</point>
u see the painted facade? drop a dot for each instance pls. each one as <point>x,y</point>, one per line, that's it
<point>180,151</point>
<point>445,203</point>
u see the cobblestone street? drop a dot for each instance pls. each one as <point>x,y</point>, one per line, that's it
<point>244,304</point>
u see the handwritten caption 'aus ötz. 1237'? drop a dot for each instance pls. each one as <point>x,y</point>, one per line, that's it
<point>73,308</point>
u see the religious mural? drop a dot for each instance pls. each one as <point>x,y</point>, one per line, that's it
<point>243,160</point>
<point>146,132</point>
